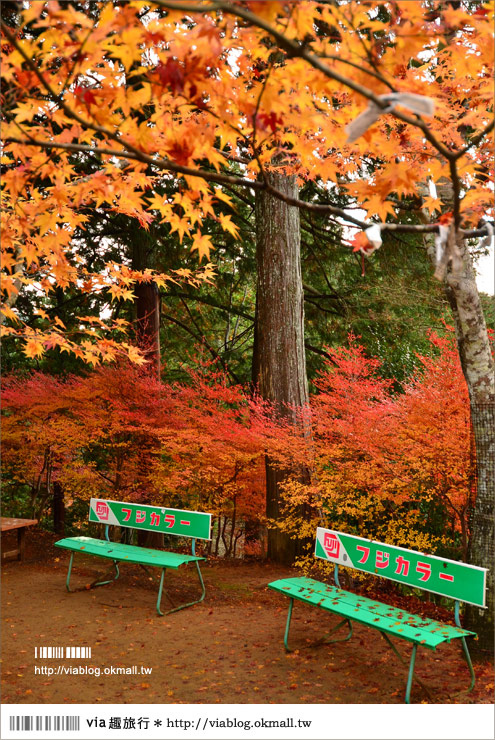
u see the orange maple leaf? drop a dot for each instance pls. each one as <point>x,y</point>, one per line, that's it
<point>34,348</point>
<point>360,242</point>
<point>202,243</point>
<point>446,218</point>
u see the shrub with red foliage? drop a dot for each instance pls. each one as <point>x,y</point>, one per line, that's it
<point>121,434</point>
<point>392,466</point>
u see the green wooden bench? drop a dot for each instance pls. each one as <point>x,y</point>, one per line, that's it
<point>192,524</point>
<point>456,580</point>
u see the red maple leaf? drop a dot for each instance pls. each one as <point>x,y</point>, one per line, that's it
<point>173,75</point>
<point>360,242</point>
<point>265,121</point>
<point>180,152</point>
<point>85,95</point>
<point>446,218</point>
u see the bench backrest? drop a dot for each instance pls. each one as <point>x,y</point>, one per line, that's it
<point>451,578</point>
<point>180,522</point>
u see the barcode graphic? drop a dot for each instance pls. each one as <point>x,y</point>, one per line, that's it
<point>26,723</point>
<point>62,652</point>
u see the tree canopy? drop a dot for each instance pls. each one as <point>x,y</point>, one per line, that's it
<point>156,109</point>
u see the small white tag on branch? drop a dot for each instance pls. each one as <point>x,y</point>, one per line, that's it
<point>441,242</point>
<point>419,104</point>
<point>447,251</point>
<point>367,118</point>
<point>374,236</point>
<point>487,240</point>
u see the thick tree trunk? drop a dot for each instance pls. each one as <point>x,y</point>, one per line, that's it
<point>479,370</point>
<point>280,358</point>
<point>58,509</point>
<point>148,337</point>
<point>482,545</point>
<point>148,324</point>
<point>147,303</point>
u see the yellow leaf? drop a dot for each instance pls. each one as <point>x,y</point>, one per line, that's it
<point>179,224</point>
<point>135,356</point>
<point>223,196</point>
<point>33,348</point>
<point>59,322</point>
<point>376,205</point>
<point>47,221</point>
<point>202,243</point>
<point>227,225</point>
<point>120,293</point>
<point>33,12</point>
<point>432,204</point>
<point>9,313</point>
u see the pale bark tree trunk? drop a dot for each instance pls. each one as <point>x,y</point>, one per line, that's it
<point>482,544</point>
<point>478,367</point>
<point>280,363</point>
<point>479,371</point>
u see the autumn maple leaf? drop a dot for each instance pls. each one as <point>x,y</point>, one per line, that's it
<point>446,218</point>
<point>360,242</point>
<point>180,152</point>
<point>227,225</point>
<point>202,243</point>
<point>34,348</point>
<point>172,74</point>
<point>85,95</point>
<point>265,121</point>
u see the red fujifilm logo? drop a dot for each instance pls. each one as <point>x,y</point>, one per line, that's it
<point>102,510</point>
<point>331,545</point>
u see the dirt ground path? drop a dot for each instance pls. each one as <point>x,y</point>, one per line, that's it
<point>226,650</point>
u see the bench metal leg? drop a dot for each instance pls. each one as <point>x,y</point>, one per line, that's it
<point>468,661</point>
<point>67,582</point>
<point>325,641</point>
<point>410,674</point>
<point>318,642</point>
<point>411,667</point>
<point>95,583</point>
<point>160,589</point>
<point>287,626</point>
<point>103,583</point>
<point>182,606</point>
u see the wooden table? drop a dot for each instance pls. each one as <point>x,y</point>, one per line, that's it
<point>6,524</point>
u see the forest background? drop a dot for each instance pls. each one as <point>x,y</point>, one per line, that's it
<point>195,311</point>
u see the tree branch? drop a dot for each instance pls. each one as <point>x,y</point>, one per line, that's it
<point>161,164</point>
<point>210,302</point>
<point>295,49</point>
<point>218,177</point>
<point>319,351</point>
<point>476,139</point>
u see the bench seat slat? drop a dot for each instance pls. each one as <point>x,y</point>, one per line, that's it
<point>392,620</point>
<point>123,552</point>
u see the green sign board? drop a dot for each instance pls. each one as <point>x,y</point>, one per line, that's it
<point>153,518</point>
<point>438,575</point>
